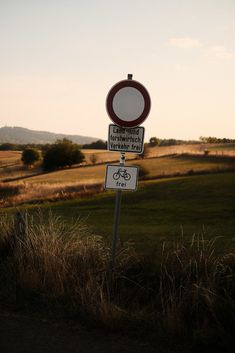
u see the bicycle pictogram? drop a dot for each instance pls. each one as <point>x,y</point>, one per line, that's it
<point>121,173</point>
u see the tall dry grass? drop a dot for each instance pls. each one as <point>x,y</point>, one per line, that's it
<point>189,294</point>
<point>66,266</point>
<point>12,194</point>
<point>197,288</point>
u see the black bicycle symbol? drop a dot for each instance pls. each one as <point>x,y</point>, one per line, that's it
<point>121,173</point>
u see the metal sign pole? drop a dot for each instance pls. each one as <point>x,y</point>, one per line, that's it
<point>117,215</point>
<point>118,206</point>
<point>124,96</point>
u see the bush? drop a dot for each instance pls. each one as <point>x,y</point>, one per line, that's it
<point>154,141</point>
<point>61,154</point>
<point>206,152</point>
<point>30,156</point>
<point>93,158</point>
<point>96,145</point>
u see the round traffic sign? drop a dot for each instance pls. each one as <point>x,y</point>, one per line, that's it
<point>128,103</point>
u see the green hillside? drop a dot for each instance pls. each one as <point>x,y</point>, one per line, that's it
<point>164,166</point>
<point>159,210</point>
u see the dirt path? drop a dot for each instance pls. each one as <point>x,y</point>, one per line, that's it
<point>29,335</point>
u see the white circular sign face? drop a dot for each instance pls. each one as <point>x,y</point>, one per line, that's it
<point>128,103</point>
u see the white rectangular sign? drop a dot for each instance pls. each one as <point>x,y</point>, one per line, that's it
<point>126,139</point>
<point>121,178</point>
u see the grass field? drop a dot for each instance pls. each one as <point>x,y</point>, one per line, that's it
<point>227,149</point>
<point>103,156</point>
<point>7,157</point>
<point>160,209</point>
<point>88,180</point>
<point>11,166</point>
<point>223,147</point>
<point>163,166</point>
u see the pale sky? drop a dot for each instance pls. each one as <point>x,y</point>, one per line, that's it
<point>59,58</point>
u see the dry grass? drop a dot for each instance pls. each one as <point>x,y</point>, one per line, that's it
<point>104,156</point>
<point>10,163</point>
<point>13,194</point>
<point>67,271</point>
<point>157,167</point>
<point>177,165</point>
<point>196,288</point>
<point>65,264</point>
<point>9,157</point>
<point>11,166</point>
<point>88,181</point>
<point>195,149</point>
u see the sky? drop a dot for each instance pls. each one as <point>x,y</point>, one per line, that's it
<point>59,59</point>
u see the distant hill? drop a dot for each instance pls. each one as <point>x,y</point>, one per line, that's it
<point>20,135</point>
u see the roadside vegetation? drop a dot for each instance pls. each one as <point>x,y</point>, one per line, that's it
<point>188,296</point>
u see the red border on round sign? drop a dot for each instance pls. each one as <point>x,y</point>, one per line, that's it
<point>111,95</point>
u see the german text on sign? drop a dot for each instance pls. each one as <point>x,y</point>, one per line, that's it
<point>126,139</point>
<point>121,177</point>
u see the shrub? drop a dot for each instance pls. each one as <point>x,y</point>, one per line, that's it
<point>30,156</point>
<point>93,158</point>
<point>97,145</point>
<point>154,141</point>
<point>61,154</point>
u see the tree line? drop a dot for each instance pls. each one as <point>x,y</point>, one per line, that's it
<point>102,145</point>
<point>155,141</point>
<point>98,145</point>
<point>212,139</point>
<point>62,153</point>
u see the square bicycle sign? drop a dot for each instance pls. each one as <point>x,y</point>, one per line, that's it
<point>121,177</point>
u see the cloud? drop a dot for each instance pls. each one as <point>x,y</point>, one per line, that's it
<point>185,42</point>
<point>219,52</point>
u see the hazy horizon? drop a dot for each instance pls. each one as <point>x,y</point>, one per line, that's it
<point>98,137</point>
<point>58,60</point>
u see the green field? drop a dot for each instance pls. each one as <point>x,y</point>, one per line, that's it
<point>163,166</point>
<point>160,209</point>
<point>222,147</point>
<point>76,182</point>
